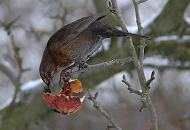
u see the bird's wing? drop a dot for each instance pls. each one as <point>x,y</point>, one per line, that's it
<point>69,32</point>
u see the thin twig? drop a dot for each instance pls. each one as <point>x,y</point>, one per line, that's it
<point>141,1</point>
<point>8,26</point>
<point>102,111</point>
<point>112,62</point>
<point>140,30</point>
<point>130,87</point>
<point>144,103</point>
<point>153,115</point>
<point>139,68</point>
<point>19,63</point>
<point>130,46</point>
<point>105,64</point>
<point>16,80</point>
<point>151,79</point>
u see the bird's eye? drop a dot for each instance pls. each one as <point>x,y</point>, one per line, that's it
<point>45,75</point>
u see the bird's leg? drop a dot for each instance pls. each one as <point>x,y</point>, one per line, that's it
<point>66,87</point>
<point>83,65</point>
<point>65,77</point>
<point>48,89</point>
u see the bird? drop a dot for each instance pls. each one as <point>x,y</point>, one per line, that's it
<point>75,43</point>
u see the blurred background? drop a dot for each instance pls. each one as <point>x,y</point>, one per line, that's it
<point>26,26</point>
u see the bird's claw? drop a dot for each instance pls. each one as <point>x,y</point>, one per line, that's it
<point>64,76</point>
<point>83,65</point>
<point>48,89</point>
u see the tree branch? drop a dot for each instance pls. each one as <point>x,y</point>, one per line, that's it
<point>104,64</point>
<point>112,62</point>
<point>130,87</point>
<point>19,63</point>
<point>102,111</point>
<point>139,68</point>
<point>15,79</point>
<point>151,78</point>
<point>130,46</point>
<point>141,1</point>
<point>140,30</point>
<point>167,18</point>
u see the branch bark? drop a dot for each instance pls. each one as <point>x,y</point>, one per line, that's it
<point>102,111</point>
<point>169,22</point>
<point>141,32</point>
<point>138,66</point>
<point>156,29</point>
<point>130,87</point>
<point>130,47</point>
<point>105,64</point>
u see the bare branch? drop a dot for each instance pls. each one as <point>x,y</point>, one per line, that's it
<point>139,67</point>
<point>153,115</point>
<point>140,30</point>
<point>102,111</point>
<point>144,103</point>
<point>151,79</point>
<point>16,80</point>
<point>104,64</point>
<point>130,47</point>
<point>130,87</point>
<point>8,26</point>
<point>118,15</point>
<point>112,62</point>
<point>16,55</point>
<point>140,1</point>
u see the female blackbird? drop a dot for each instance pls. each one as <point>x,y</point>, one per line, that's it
<point>73,44</point>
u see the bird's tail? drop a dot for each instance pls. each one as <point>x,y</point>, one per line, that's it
<point>136,35</point>
<point>113,32</point>
<point>108,31</point>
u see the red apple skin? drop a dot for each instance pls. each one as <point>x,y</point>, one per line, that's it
<point>63,104</point>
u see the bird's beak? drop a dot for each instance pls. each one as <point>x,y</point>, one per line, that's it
<point>49,89</point>
<point>49,84</point>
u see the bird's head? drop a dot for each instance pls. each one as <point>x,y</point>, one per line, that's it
<point>46,73</point>
<point>46,69</point>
